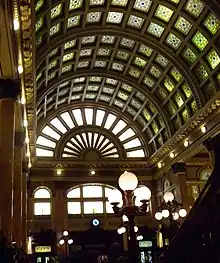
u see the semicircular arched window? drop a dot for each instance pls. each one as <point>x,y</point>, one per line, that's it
<point>111,123</point>
<point>89,199</point>
<point>42,202</point>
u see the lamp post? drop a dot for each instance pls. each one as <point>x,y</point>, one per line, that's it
<point>172,210</point>
<point>66,241</point>
<point>132,194</point>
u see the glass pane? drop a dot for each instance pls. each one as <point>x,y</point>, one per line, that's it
<point>85,139</point>
<point>127,134</point>
<point>89,116</point>
<point>42,152</point>
<point>42,193</point>
<point>74,193</point>
<point>99,117</point>
<point>78,116</point>
<point>92,191</point>
<point>50,132</point>
<point>119,126</point>
<point>90,139</point>
<point>137,153</point>
<point>110,119</point>
<point>109,209</point>
<point>133,143</point>
<point>93,207</point>
<point>43,141</point>
<point>74,208</point>
<point>66,117</point>
<point>42,209</point>
<point>57,123</point>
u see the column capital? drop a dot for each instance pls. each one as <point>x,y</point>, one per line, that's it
<point>178,168</point>
<point>9,88</point>
<point>209,144</point>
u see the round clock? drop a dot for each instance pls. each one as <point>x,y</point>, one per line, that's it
<point>95,222</point>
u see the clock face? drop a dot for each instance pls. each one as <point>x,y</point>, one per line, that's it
<point>95,222</point>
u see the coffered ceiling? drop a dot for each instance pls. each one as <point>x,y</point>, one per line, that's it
<point>150,64</point>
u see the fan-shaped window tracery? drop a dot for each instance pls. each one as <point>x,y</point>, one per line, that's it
<point>58,126</point>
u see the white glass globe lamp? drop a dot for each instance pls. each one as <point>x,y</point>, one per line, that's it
<point>114,196</point>
<point>140,237</point>
<point>70,241</point>
<point>142,193</point>
<point>135,229</point>
<point>128,181</point>
<point>125,218</point>
<point>168,197</point>
<point>65,233</point>
<point>182,212</point>
<point>123,229</point>
<point>61,242</point>
<point>176,216</point>
<point>119,231</point>
<point>158,216</point>
<point>165,213</point>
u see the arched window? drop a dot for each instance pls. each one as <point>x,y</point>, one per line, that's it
<point>89,199</point>
<point>42,202</point>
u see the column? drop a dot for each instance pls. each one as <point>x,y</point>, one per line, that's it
<point>209,144</point>
<point>179,172</point>
<point>17,199</point>
<point>24,210</point>
<point>59,211</point>
<point>9,91</point>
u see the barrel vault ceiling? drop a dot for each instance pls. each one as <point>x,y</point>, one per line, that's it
<point>120,76</point>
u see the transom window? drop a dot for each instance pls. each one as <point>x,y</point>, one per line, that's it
<point>42,202</point>
<point>89,199</point>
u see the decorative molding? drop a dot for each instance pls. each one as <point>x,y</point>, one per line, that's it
<point>212,108</point>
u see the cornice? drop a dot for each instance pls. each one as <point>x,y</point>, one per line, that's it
<point>204,115</point>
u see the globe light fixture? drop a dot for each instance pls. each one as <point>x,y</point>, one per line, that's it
<point>168,197</point>
<point>70,241</point>
<point>140,237</point>
<point>142,193</point>
<point>158,216</point>
<point>135,201</point>
<point>61,242</point>
<point>135,229</point>
<point>65,233</point>
<point>124,218</point>
<point>182,212</point>
<point>114,197</point>
<point>165,213</point>
<point>128,181</point>
<point>175,216</point>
